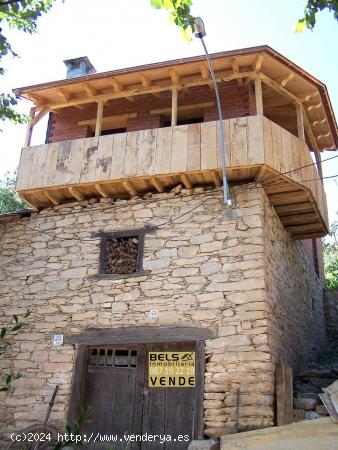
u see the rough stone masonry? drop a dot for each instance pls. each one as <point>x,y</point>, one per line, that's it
<point>242,276</point>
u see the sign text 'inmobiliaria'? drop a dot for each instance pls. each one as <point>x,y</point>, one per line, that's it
<point>171,369</point>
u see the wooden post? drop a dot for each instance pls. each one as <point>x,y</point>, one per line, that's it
<point>174,106</point>
<point>300,121</point>
<point>319,163</point>
<point>30,125</point>
<point>284,394</point>
<point>99,117</point>
<point>258,95</point>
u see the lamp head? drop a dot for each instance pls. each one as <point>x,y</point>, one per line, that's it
<point>199,27</point>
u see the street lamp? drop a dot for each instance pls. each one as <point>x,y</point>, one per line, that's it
<point>200,33</point>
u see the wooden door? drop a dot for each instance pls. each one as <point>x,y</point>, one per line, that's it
<point>121,402</point>
<point>171,411</point>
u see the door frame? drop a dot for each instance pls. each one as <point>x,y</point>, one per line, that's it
<point>136,335</point>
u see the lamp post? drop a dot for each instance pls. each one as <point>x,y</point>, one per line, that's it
<point>200,33</point>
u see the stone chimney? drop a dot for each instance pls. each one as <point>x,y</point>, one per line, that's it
<point>78,67</point>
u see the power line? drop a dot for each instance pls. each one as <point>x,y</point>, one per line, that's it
<point>182,215</point>
<point>298,168</point>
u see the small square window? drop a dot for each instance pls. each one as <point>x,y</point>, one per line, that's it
<point>121,253</point>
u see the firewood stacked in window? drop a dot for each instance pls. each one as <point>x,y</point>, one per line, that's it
<point>121,255</point>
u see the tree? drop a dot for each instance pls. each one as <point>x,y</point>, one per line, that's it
<point>179,13</point>
<point>6,336</point>
<point>9,200</point>
<point>330,248</point>
<point>312,8</point>
<point>21,15</point>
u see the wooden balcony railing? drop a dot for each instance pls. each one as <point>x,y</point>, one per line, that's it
<point>130,164</point>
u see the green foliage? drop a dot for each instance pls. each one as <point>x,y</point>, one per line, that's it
<point>312,8</point>
<point>179,13</point>
<point>9,200</point>
<point>21,15</point>
<point>330,249</point>
<point>74,431</point>
<point>6,334</point>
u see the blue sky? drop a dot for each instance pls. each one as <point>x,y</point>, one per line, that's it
<point>120,33</point>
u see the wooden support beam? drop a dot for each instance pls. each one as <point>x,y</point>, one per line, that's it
<point>277,87</point>
<point>309,131</point>
<point>257,64</point>
<point>323,136</point>
<point>39,101</point>
<point>235,69</point>
<point>261,174</point>
<point>316,106</point>
<point>301,237</point>
<point>309,96</point>
<point>39,116</point>
<point>258,95</point>
<point>319,122</point>
<point>99,117</point>
<point>157,184</point>
<point>175,78</point>
<point>130,188</point>
<point>293,197</point>
<point>284,81</point>
<point>319,164</point>
<point>29,129</point>
<point>117,85</point>
<point>63,94</point>
<point>294,208</point>
<point>146,82</point>
<point>28,202</point>
<point>90,90</point>
<point>100,189</point>
<point>204,72</point>
<point>284,394</point>
<point>299,219</point>
<point>174,106</point>
<point>51,197</point>
<point>216,178</point>
<point>185,180</point>
<point>120,92</point>
<point>274,188</point>
<point>300,121</point>
<point>309,227</point>
<point>75,193</point>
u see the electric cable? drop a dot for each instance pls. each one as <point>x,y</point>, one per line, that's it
<point>298,168</point>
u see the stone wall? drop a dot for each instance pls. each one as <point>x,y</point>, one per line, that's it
<point>202,269</point>
<point>295,297</point>
<point>331,315</point>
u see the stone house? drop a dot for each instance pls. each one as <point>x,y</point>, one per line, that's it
<point>128,248</point>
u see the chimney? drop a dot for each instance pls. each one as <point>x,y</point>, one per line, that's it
<point>78,67</point>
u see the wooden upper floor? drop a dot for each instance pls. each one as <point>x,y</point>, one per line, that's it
<point>123,133</point>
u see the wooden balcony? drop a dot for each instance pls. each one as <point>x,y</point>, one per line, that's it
<point>131,164</point>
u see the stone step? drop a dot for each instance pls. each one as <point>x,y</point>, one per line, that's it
<point>305,403</point>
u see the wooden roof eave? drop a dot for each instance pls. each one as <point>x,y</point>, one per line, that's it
<point>32,92</point>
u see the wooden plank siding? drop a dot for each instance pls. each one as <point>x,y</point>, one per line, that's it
<point>127,164</point>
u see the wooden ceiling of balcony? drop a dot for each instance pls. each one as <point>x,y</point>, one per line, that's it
<point>284,84</point>
<point>293,202</point>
